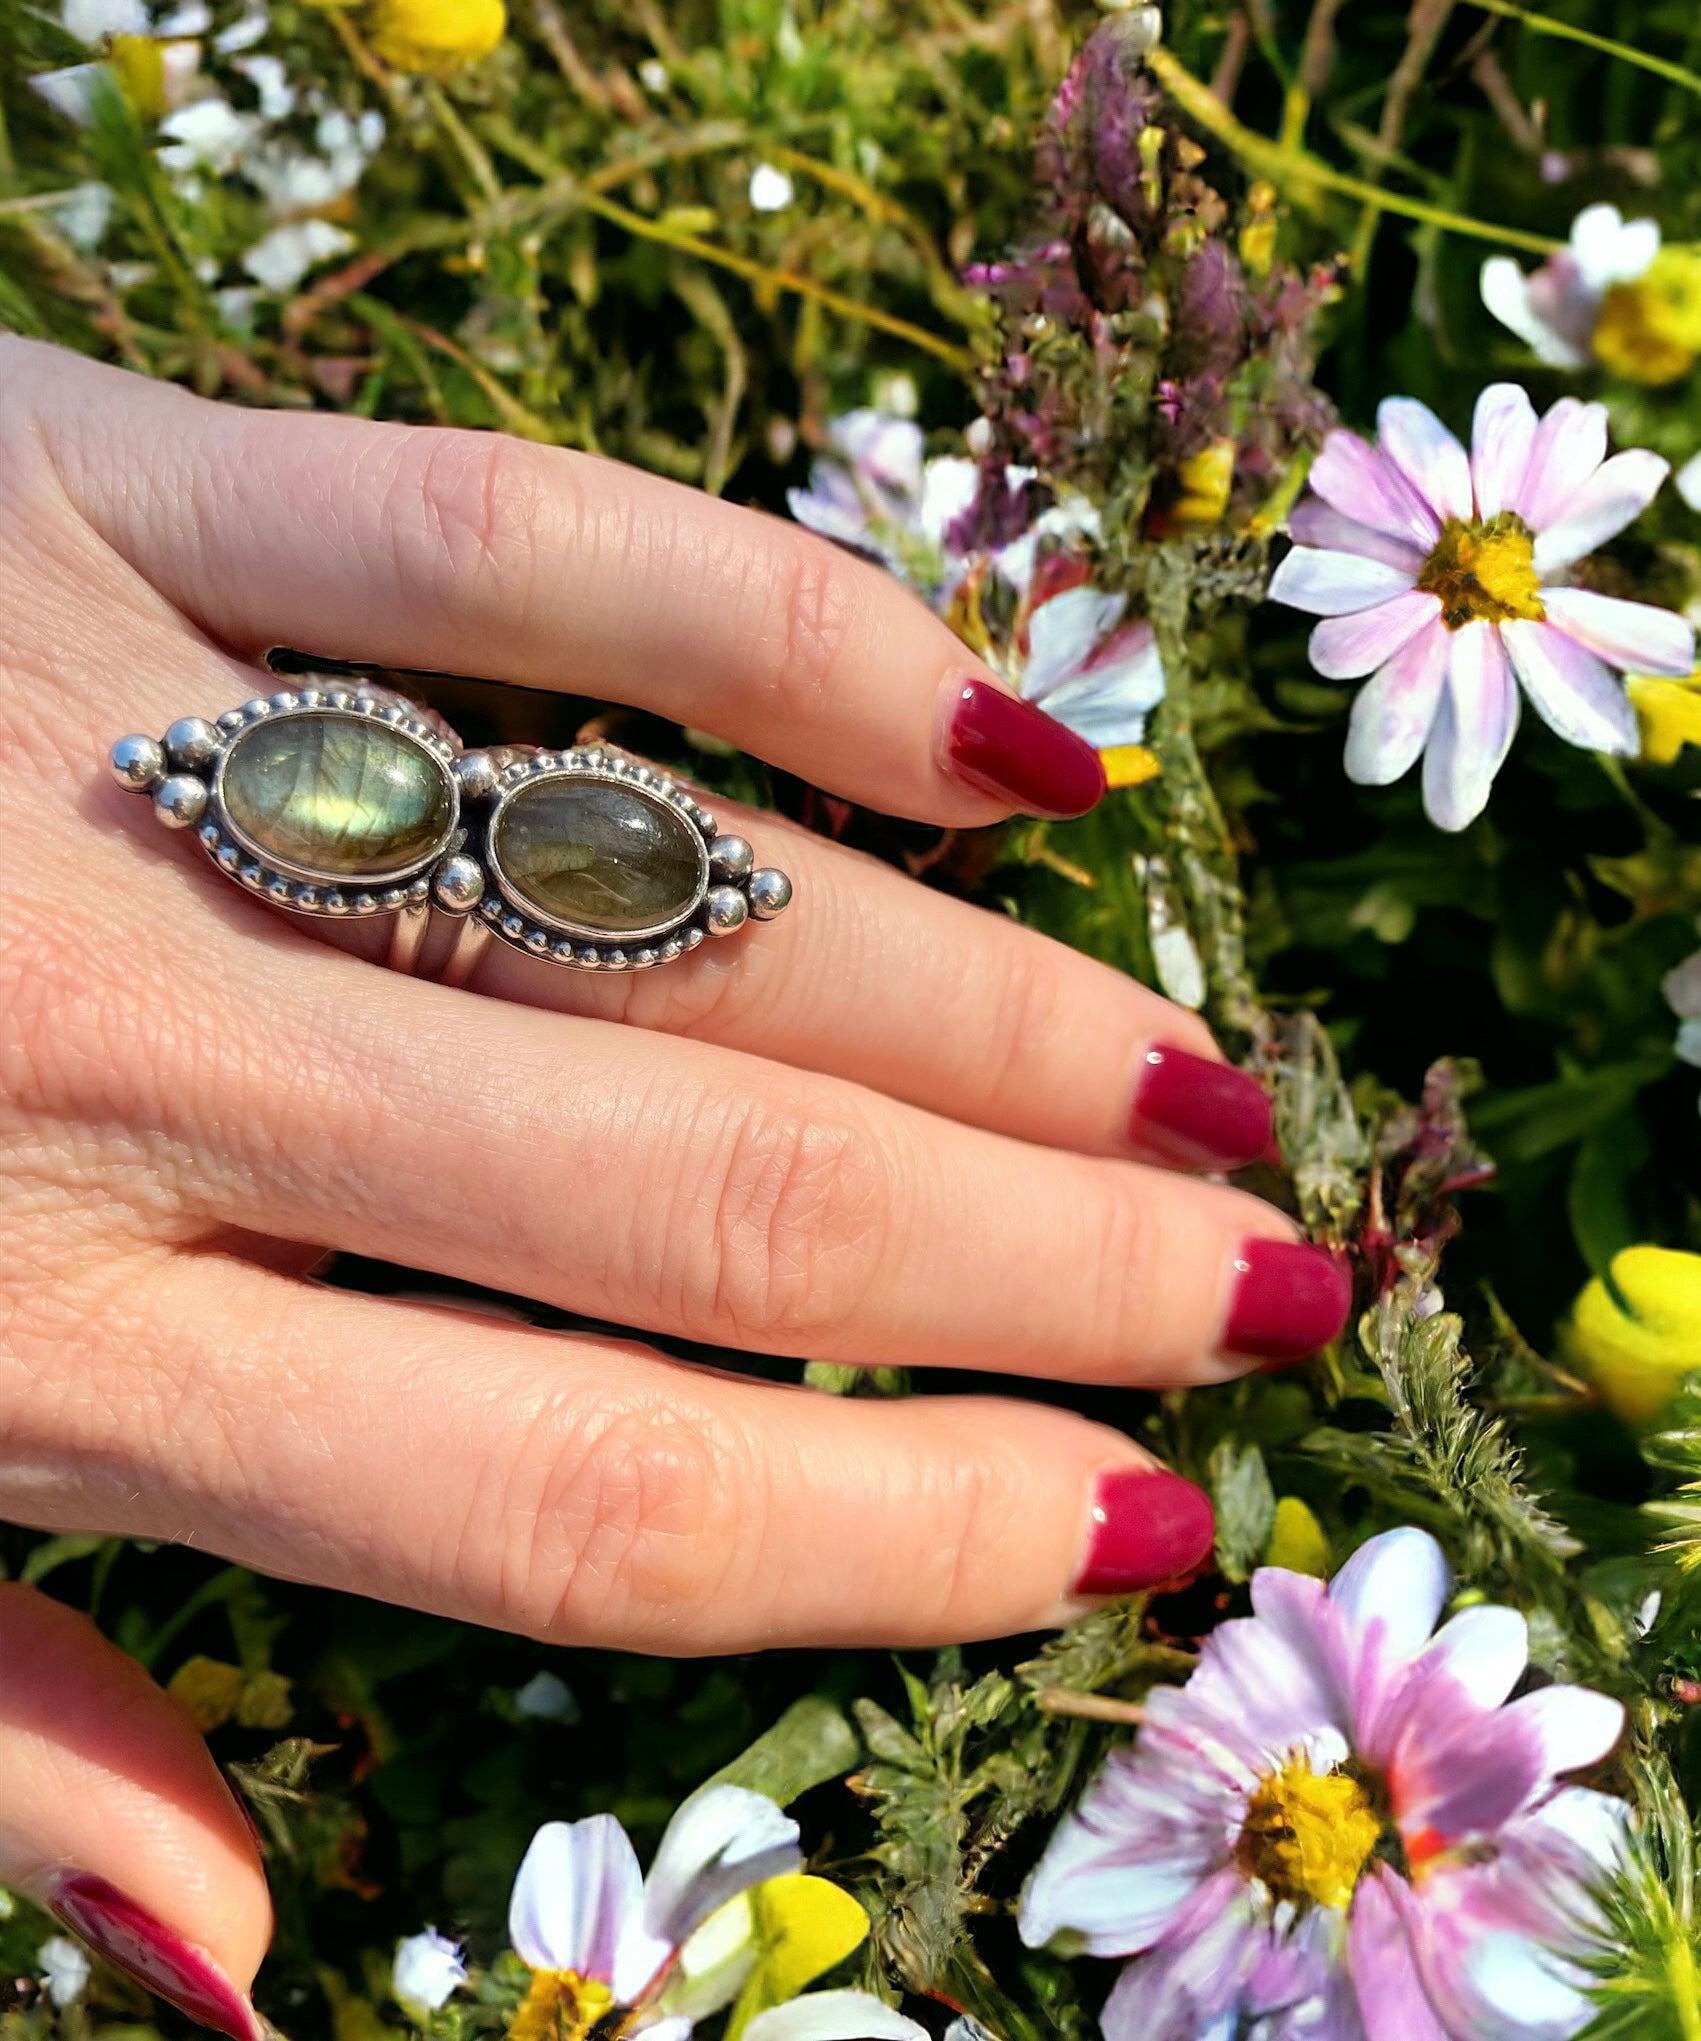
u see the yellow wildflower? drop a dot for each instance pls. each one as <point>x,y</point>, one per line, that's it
<point>435,37</point>
<point>1638,1344</point>
<point>1669,712</point>
<point>1297,1540</point>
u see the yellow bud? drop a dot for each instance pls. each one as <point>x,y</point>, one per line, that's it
<point>435,37</point>
<point>1205,481</point>
<point>1669,712</point>
<point>138,63</point>
<point>1128,765</point>
<point>1638,1345</point>
<point>1297,1540</point>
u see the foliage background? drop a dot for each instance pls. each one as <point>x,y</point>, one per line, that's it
<point>559,242</point>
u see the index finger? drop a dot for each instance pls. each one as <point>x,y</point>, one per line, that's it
<point>473,552</point>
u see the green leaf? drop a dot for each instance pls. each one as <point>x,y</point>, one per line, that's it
<point>1245,1504</point>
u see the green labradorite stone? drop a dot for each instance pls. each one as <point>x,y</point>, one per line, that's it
<point>608,859</point>
<point>338,795</point>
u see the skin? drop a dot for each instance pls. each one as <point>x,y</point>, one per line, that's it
<point>888,1129</point>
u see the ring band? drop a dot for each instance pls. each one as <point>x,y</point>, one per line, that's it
<point>347,801</point>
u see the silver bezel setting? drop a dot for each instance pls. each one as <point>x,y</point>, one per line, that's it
<point>519,922</point>
<point>298,887</point>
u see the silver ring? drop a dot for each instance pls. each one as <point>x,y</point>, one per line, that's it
<point>345,800</point>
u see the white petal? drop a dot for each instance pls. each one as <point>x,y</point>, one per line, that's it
<point>884,450</point>
<point>1610,249</point>
<point>1506,293</point>
<point>73,91</point>
<point>1577,696</point>
<point>1519,1986</point>
<point>1576,1726</point>
<point>833,2016</point>
<point>1063,635</point>
<point>577,1893</point>
<point>1312,522</point>
<point>1634,636</point>
<point>1474,728</point>
<point>1616,495</point>
<point>721,1841</point>
<point>1484,1649</point>
<point>1345,648</point>
<point>1502,434</point>
<point>283,257</point>
<point>92,21</point>
<point>949,486</point>
<point>1355,479</point>
<point>1394,712</point>
<point>1426,453</point>
<point>428,1969</point>
<point>1111,1889</point>
<point>1334,584</point>
<point>1108,704</point>
<point>1394,1585</point>
<point>1689,481</point>
<point>1594,1824</point>
<point>1570,444</point>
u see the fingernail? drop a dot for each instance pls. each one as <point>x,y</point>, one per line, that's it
<point>1015,752</point>
<point>1197,1113</point>
<point>129,1936</point>
<point>1148,1527</point>
<point>1289,1300</point>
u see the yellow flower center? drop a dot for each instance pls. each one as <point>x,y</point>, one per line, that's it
<point>1308,1836</point>
<point>436,37</point>
<point>561,2006</point>
<point>1484,571</point>
<point>1650,330</point>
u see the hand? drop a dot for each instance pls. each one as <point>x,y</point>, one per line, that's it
<point>889,1128</point>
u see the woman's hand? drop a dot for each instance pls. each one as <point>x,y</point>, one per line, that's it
<point>889,1129</point>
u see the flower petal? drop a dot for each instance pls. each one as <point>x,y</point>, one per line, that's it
<point>1483,1649</point>
<point>1391,1999</point>
<point>1063,634</point>
<point>720,1841</point>
<point>1354,478</point>
<point>1688,481</point>
<point>1393,713</point>
<point>1575,694</point>
<point>1109,701</point>
<point>1570,444</point>
<point>1632,635</point>
<point>833,2016</point>
<point>1344,648</point>
<point>949,486</point>
<point>1616,495</point>
<point>1517,1991</point>
<point>1573,1726</point>
<point>1393,1587</point>
<point>1503,431</point>
<point>1506,292</point>
<point>1200,1977</point>
<point>1426,453</point>
<point>1312,522</point>
<point>1474,728</point>
<point>578,1892</point>
<point>1334,584</point>
<point>1108,1885</point>
<point>1609,249</point>
<point>1453,1776</point>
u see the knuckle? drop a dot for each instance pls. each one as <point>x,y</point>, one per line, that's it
<point>463,511</point>
<point>817,595</point>
<point>1028,1016</point>
<point>628,1506</point>
<point>788,1227</point>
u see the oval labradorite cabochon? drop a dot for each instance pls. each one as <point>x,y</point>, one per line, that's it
<point>339,795</point>
<point>599,857</point>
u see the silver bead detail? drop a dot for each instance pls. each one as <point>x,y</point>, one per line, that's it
<point>138,763</point>
<point>476,771</point>
<point>730,857</point>
<point>458,884</point>
<point>191,743</point>
<point>770,893</point>
<point>725,909</point>
<point>180,800</point>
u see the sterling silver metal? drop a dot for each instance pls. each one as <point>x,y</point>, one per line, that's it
<point>460,881</point>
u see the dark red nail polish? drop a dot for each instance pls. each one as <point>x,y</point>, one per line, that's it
<point>1148,1527</point>
<point>1199,1114</point>
<point>1289,1300</point>
<point>1017,753</point>
<point>129,1936</point>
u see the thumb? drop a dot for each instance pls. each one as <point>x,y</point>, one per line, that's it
<point>114,1816</point>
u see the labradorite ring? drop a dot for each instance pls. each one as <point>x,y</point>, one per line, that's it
<point>345,800</point>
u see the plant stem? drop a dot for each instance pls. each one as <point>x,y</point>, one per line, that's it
<point>1626,53</point>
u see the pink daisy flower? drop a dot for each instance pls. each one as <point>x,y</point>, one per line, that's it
<point>1341,1830</point>
<point>1445,576</point>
